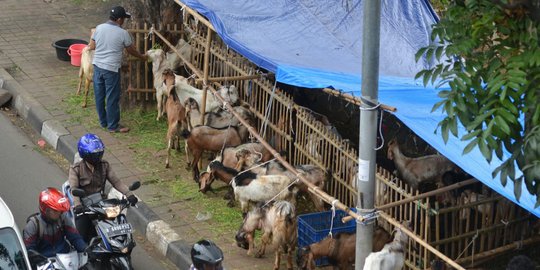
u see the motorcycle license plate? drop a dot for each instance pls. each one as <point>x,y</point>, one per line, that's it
<point>119,230</point>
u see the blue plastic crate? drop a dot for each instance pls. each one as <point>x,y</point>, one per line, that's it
<point>315,227</point>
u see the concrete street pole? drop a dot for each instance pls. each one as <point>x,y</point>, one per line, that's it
<point>368,125</point>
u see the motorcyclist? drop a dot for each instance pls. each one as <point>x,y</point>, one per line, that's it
<point>91,174</point>
<point>206,255</point>
<point>47,231</point>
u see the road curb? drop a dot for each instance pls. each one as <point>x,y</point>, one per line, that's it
<point>143,218</point>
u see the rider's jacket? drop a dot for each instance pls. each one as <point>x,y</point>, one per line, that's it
<point>50,238</point>
<point>92,179</point>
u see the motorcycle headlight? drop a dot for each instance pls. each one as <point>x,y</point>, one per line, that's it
<point>112,211</point>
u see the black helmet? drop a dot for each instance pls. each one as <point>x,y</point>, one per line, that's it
<point>205,252</point>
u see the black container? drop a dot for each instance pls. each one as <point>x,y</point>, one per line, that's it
<point>62,47</point>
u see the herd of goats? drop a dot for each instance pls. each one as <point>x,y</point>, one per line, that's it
<point>265,189</point>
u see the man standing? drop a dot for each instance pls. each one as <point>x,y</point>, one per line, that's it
<point>109,41</point>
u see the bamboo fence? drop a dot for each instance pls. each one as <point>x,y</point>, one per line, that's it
<point>464,233</point>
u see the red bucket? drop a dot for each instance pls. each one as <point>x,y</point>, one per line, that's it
<point>75,51</point>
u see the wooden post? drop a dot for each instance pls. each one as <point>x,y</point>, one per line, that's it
<point>205,72</point>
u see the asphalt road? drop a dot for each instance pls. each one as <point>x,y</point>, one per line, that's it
<point>24,172</point>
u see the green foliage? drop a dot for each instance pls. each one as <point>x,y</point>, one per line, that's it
<point>490,57</point>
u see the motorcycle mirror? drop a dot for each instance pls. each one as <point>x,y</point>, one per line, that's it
<point>78,192</point>
<point>135,185</point>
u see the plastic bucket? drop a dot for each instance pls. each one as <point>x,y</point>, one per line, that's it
<point>62,47</point>
<point>75,51</point>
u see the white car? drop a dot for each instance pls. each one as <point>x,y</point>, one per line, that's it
<point>12,250</point>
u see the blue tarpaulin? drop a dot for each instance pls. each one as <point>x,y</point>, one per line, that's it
<point>317,44</point>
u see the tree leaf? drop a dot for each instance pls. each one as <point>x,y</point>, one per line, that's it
<point>420,53</point>
<point>470,146</point>
<point>502,124</point>
<point>471,135</point>
<point>517,188</point>
<point>486,152</point>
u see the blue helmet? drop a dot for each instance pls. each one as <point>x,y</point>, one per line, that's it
<point>91,148</point>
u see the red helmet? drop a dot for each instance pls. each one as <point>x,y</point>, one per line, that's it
<point>54,199</point>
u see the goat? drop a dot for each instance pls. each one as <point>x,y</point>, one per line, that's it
<point>252,188</point>
<point>312,173</point>
<point>185,91</point>
<point>228,159</point>
<point>219,119</point>
<point>340,250</point>
<point>392,256</point>
<point>468,197</point>
<point>86,71</point>
<point>205,138</point>
<point>159,65</point>
<point>419,170</point>
<point>175,119</point>
<point>278,224</point>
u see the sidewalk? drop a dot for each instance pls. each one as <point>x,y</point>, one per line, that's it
<point>41,85</point>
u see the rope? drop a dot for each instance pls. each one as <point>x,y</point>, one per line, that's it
<point>253,167</point>
<point>265,123</point>
<point>333,216</point>
<point>380,132</point>
<point>465,249</point>
<point>273,198</point>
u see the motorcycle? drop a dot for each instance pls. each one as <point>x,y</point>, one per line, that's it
<point>62,261</point>
<point>111,248</point>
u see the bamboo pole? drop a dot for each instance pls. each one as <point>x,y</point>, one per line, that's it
<point>490,253</point>
<point>420,241</point>
<point>354,100</point>
<point>231,78</point>
<point>196,15</point>
<point>205,72</point>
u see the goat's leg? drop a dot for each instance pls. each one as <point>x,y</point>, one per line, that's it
<point>195,165</point>
<point>265,240</point>
<point>168,152</point>
<point>188,159</point>
<point>289,258</point>
<point>86,89</point>
<point>277,260</point>
<point>251,243</point>
<point>81,73</point>
<point>159,101</point>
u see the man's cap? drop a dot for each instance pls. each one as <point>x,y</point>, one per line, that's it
<point>119,12</point>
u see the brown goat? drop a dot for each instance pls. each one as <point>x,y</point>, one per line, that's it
<point>419,170</point>
<point>278,224</point>
<point>175,118</point>
<point>229,159</point>
<point>205,138</point>
<point>339,249</point>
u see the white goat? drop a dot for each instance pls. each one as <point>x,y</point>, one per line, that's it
<point>250,187</point>
<point>392,256</point>
<point>159,64</point>
<point>87,71</point>
<point>185,91</point>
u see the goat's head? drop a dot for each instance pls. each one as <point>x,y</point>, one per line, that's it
<point>390,152</point>
<point>156,55</point>
<point>437,264</point>
<point>303,257</point>
<point>252,221</point>
<point>205,181</point>
<point>191,105</point>
<point>230,94</point>
<point>247,157</point>
<point>399,235</point>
